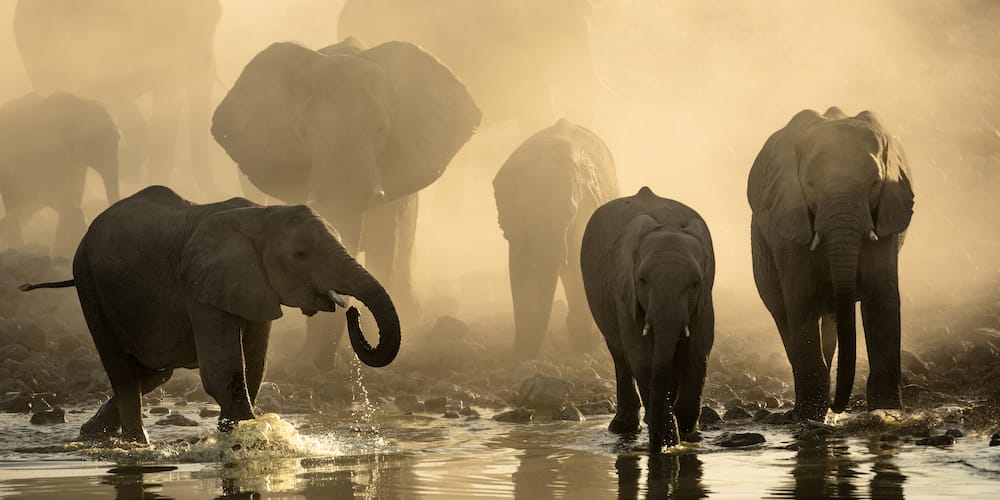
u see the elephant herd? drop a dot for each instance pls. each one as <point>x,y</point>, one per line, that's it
<point>349,134</point>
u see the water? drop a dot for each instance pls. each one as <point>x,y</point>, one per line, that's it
<point>377,452</point>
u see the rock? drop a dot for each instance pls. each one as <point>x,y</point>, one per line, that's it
<point>436,404</point>
<point>734,403</point>
<point>709,416</point>
<point>517,416</point>
<point>911,393</point>
<point>451,414</point>
<point>15,352</point>
<point>911,363</point>
<point>780,418</point>
<point>736,413</point>
<point>995,439</point>
<point>408,403</point>
<point>198,395</point>
<point>177,419</point>
<point>602,407</point>
<point>469,411</point>
<point>955,433</point>
<point>738,439</point>
<point>772,402</point>
<point>544,392</point>
<point>761,414</point>
<point>569,413</point>
<point>208,412</point>
<point>159,410</point>
<point>936,441</point>
<point>53,416</point>
<point>24,402</point>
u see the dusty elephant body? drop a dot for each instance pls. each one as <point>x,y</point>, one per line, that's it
<point>831,200</point>
<point>165,284</point>
<point>46,145</point>
<point>119,51</point>
<point>648,270</point>
<point>545,194</point>
<point>355,133</point>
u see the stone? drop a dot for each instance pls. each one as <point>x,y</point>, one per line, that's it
<point>468,411</point>
<point>159,410</point>
<point>709,416</point>
<point>408,403</point>
<point>209,412</point>
<point>569,413</point>
<point>517,416</point>
<point>177,419</point>
<point>15,352</point>
<point>736,413</point>
<point>544,392</point>
<point>772,402</point>
<point>451,414</point>
<point>738,439</point>
<point>944,440</point>
<point>995,439</point>
<point>780,418</point>
<point>602,407</point>
<point>911,393</point>
<point>761,414</point>
<point>436,404</point>
<point>49,417</point>
<point>955,433</point>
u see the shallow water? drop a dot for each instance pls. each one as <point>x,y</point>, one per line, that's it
<point>416,456</point>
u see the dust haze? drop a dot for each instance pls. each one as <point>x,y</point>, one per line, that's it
<point>687,93</point>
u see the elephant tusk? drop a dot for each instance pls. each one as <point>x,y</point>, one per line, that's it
<point>687,332</point>
<point>872,236</point>
<point>815,242</point>
<point>336,298</point>
<point>645,330</point>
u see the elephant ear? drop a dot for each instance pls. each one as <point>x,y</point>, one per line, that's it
<point>220,267</point>
<point>628,253</point>
<point>433,115</point>
<point>774,191</point>
<point>254,123</point>
<point>895,205</point>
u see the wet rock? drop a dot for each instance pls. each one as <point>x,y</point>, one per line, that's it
<point>911,363</point>
<point>738,439</point>
<point>198,395</point>
<point>761,414</point>
<point>436,404</point>
<point>408,403</point>
<point>708,416</point>
<point>955,433</point>
<point>209,412</point>
<point>781,418</point>
<point>602,407</point>
<point>53,416</point>
<point>995,439</point>
<point>182,382</point>
<point>734,403</point>
<point>159,410</point>
<point>814,431</point>
<point>857,403</point>
<point>517,416</point>
<point>544,392</point>
<point>24,402</point>
<point>569,413</point>
<point>936,441</point>
<point>177,419</point>
<point>334,391</point>
<point>772,402</point>
<point>911,393</point>
<point>469,411</point>
<point>14,352</point>
<point>451,414</point>
<point>736,413</point>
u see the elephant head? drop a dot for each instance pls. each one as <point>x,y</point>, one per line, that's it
<point>668,275</point>
<point>250,261</point>
<point>90,132</point>
<point>831,183</point>
<point>343,128</point>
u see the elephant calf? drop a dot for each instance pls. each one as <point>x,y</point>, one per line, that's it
<point>46,145</point>
<point>166,284</point>
<point>831,200</point>
<point>648,270</point>
<point>545,194</point>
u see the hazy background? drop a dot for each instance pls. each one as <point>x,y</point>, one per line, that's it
<point>688,93</point>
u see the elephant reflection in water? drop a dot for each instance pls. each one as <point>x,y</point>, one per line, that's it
<point>46,145</point>
<point>827,469</point>
<point>667,476</point>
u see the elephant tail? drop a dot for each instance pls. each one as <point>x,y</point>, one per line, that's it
<point>27,287</point>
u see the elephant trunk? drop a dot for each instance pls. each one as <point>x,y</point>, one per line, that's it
<point>843,247</point>
<point>663,386</point>
<point>532,284</point>
<point>371,293</point>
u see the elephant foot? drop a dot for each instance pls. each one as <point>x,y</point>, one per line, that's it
<point>666,438</point>
<point>135,435</point>
<point>624,424</point>
<point>692,436</point>
<point>885,402</point>
<point>106,421</point>
<point>799,414</point>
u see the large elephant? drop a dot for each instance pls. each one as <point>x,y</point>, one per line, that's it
<point>117,51</point>
<point>831,199</point>
<point>545,193</point>
<point>524,59</point>
<point>648,269</point>
<point>164,284</point>
<point>354,133</point>
<point>46,145</point>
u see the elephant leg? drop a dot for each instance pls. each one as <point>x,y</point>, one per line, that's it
<point>125,375</point>
<point>135,138</point>
<point>828,332</point>
<point>388,238</point>
<point>255,338</point>
<point>219,345</point>
<point>768,283</point>
<point>881,319</point>
<point>805,353</point>
<point>107,419</point>
<point>693,372</point>
<point>163,125</point>
<point>626,419</point>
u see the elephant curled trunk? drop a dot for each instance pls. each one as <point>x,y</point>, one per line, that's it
<point>373,296</point>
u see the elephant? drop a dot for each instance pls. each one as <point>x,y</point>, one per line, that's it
<point>648,269</point>
<point>118,51</point>
<point>545,194</point>
<point>165,283</point>
<point>521,59</point>
<point>831,198</point>
<point>354,133</point>
<point>46,145</point>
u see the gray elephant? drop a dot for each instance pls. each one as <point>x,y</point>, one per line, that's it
<point>545,193</point>
<point>118,51</point>
<point>648,270</point>
<point>164,284</point>
<point>46,145</point>
<point>831,199</point>
<point>521,59</point>
<point>354,133</point>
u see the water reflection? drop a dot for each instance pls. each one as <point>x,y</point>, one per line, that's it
<point>669,475</point>
<point>826,468</point>
<point>129,481</point>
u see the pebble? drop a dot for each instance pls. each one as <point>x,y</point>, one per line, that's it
<point>208,412</point>
<point>451,414</point>
<point>736,413</point>
<point>995,439</point>
<point>955,433</point>
<point>944,440</point>
<point>435,404</point>
<point>602,407</point>
<point>53,416</point>
<point>761,414</point>
<point>738,439</point>
<point>177,419</point>
<point>159,410</point>
<point>544,391</point>
<point>517,415</point>
<point>709,416</point>
<point>569,413</point>
<point>468,411</point>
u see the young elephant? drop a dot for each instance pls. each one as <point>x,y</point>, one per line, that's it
<point>831,200</point>
<point>648,269</point>
<point>166,284</point>
<point>46,145</point>
<point>545,194</point>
